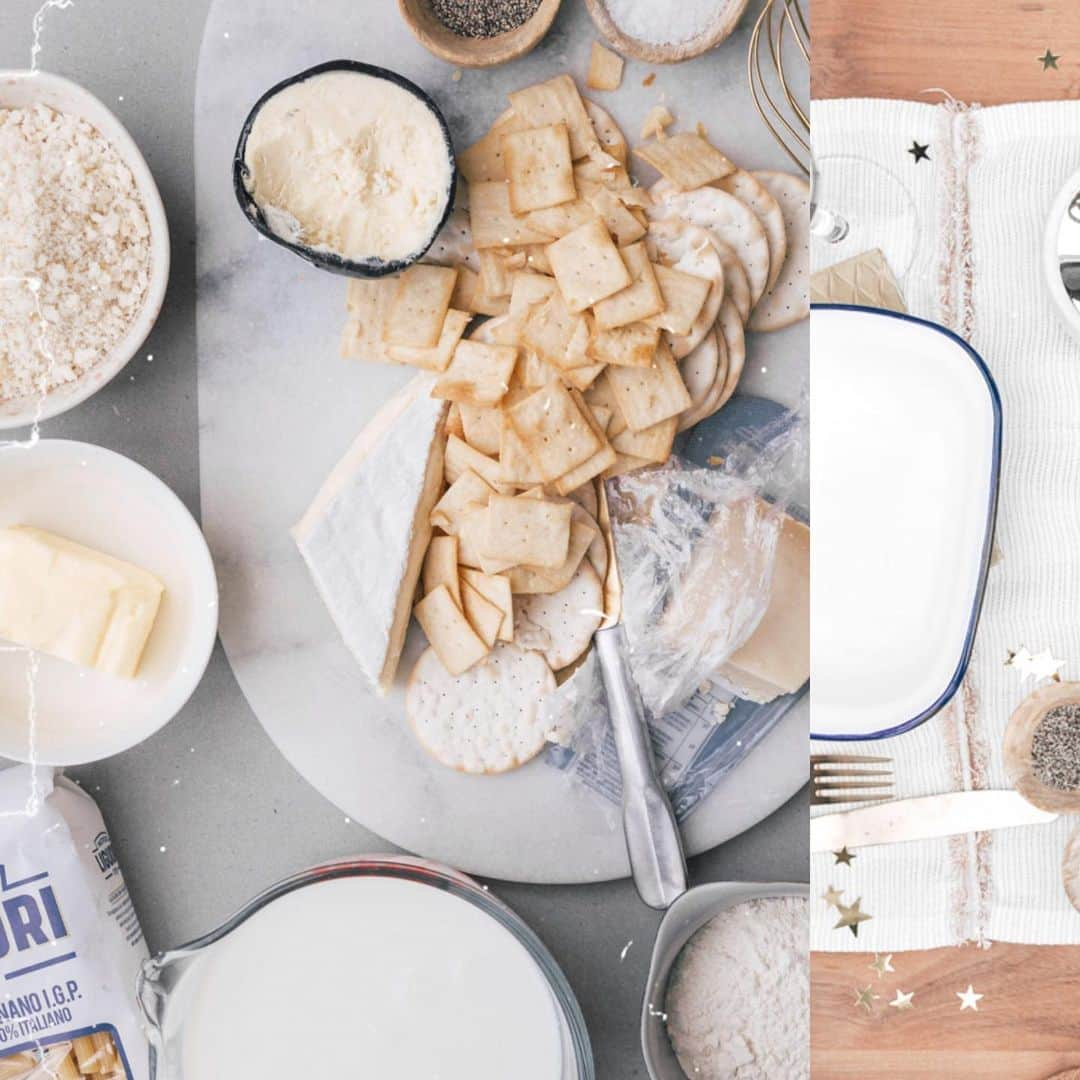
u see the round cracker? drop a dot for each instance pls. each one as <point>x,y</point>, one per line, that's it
<point>568,618</point>
<point>729,220</point>
<point>789,300</point>
<point>730,326</point>
<point>689,248</point>
<point>736,283</point>
<point>751,191</point>
<point>698,369</point>
<point>486,720</point>
<point>708,404</point>
<point>612,140</point>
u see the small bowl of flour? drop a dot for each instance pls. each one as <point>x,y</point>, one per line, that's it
<point>84,247</point>
<point>665,33</point>
<point>728,996</point>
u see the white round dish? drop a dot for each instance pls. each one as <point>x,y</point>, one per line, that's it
<point>19,89</point>
<point>106,501</point>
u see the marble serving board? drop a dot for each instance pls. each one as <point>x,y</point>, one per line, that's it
<point>278,407</point>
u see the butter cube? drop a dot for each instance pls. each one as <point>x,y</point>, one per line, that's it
<point>72,602</point>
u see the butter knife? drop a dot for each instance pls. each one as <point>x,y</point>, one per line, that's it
<point>924,818</point>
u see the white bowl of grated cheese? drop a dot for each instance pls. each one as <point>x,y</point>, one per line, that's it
<point>84,246</point>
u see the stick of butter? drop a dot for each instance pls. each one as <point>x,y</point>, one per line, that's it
<point>70,601</point>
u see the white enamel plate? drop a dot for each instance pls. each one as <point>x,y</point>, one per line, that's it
<point>905,452</point>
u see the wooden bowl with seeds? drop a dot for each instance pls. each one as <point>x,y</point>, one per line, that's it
<point>1042,748</point>
<point>479,33</point>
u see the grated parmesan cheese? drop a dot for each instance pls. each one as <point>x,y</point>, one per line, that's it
<point>74,249</point>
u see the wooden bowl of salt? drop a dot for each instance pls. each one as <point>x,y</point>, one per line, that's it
<point>1042,748</point>
<point>661,33</point>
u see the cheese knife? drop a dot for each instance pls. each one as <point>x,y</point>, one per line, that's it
<point>924,819</point>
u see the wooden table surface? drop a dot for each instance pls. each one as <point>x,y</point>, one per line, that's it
<point>976,50</point>
<point>1028,1024</point>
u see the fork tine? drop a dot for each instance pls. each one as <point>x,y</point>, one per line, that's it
<point>847,759</point>
<point>821,785</point>
<point>824,800</point>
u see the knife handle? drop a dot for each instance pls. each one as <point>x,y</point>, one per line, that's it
<point>653,840</point>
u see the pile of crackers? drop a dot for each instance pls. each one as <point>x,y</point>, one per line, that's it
<point>614,319</point>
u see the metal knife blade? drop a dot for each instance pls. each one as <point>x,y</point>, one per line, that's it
<point>923,819</point>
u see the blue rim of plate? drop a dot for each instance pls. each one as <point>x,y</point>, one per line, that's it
<point>988,537</point>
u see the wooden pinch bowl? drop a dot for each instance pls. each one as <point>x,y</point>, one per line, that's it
<point>669,52</point>
<point>441,41</point>
<point>1017,748</point>
<point>1070,875</point>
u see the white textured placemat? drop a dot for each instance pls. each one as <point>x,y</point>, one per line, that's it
<point>981,201</point>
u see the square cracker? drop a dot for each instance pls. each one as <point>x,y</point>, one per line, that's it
<point>652,445</point>
<point>555,101</point>
<point>648,395</point>
<point>554,430</point>
<point>626,346</point>
<point>531,532</point>
<point>551,329</point>
<point>592,467</point>
<point>478,374</point>
<point>461,457</point>
<point>605,69</point>
<point>494,223</point>
<point>539,168</point>
<point>441,566</point>
<point>419,307</point>
<point>516,465</point>
<point>640,299</point>
<point>469,490</point>
<point>686,159</point>
<point>484,617</point>
<point>455,642</point>
<point>587,265</point>
<point>481,425</point>
<point>438,357</point>
<point>496,588</point>
<point>684,296</point>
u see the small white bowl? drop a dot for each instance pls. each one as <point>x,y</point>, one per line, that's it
<point>106,501</point>
<point>19,89</point>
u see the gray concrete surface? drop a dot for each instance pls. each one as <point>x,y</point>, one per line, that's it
<point>207,812</point>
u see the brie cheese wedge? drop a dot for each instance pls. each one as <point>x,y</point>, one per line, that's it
<point>72,602</point>
<point>366,532</point>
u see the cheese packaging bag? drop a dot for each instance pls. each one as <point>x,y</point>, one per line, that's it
<point>70,942</point>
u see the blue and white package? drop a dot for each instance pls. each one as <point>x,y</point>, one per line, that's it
<point>70,942</point>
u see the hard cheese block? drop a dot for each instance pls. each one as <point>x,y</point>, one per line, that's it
<point>365,535</point>
<point>70,601</point>
<point>775,659</point>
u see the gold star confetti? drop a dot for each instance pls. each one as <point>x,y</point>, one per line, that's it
<point>832,896</point>
<point>882,964</point>
<point>851,917</point>
<point>902,1001</point>
<point>969,999</point>
<point>919,151</point>
<point>1049,60</point>
<point>843,856</point>
<point>1036,666</point>
<point>865,998</point>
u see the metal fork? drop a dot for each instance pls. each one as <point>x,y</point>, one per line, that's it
<point>849,778</point>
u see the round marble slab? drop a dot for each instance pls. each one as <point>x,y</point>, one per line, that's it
<point>278,407</point>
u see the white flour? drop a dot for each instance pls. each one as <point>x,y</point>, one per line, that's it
<point>74,249</point>
<point>738,1003</point>
<point>664,24</point>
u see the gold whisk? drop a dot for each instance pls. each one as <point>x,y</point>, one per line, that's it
<point>782,112</point>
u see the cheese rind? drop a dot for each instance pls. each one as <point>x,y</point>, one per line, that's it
<point>75,603</point>
<point>365,534</point>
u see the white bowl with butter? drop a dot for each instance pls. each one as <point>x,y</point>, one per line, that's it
<point>348,165</point>
<point>139,560</point>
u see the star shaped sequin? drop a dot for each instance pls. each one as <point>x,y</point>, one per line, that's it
<point>1035,666</point>
<point>851,916</point>
<point>832,896</point>
<point>969,999</point>
<point>1049,60</point>
<point>919,151</point>
<point>882,964</point>
<point>865,998</point>
<point>843,857</point>
<point>902,1001</point>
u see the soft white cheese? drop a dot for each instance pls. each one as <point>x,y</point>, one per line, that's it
<point>350,164</point>
<point>75,603</point>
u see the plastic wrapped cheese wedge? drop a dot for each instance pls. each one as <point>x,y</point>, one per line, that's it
<point>70,601</point>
